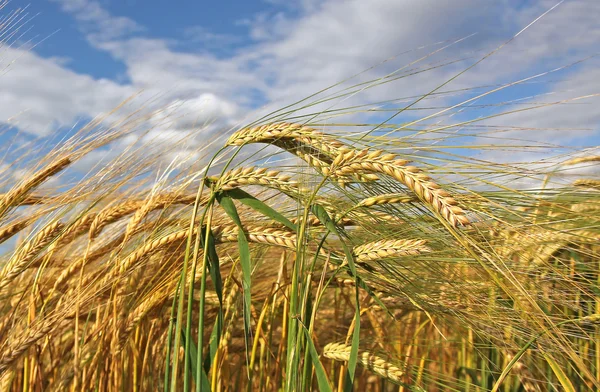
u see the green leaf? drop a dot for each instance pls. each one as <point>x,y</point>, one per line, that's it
<point>229,207</point>
<point>324,217</point>
<point>192,355</point>
<point>259,206</point>
<point>215,274</point>
<point>322,379</point>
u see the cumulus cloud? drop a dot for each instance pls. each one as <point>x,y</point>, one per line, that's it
<point>301,49</point>
<point>39,95</point>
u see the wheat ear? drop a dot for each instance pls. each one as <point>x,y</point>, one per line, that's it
<point>390,248</point>
<point>113,214</point>
<point>26,340</point>
<point>15,196</point>
<point>429,192</point>
<point>8,231</point>
<point>387,198</point>
<point>576,161</point>
<point>587,183</point>
<point>271,132</point>
<point>314,147</point>
<point>257,176</point>
<point>341,352</point>
<point>258,234</point>
<point>28,253</point>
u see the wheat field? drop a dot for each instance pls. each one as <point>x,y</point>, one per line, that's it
<point>364,271</point>
<point>301,252</point>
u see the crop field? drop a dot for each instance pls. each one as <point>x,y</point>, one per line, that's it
<point>305,249</point>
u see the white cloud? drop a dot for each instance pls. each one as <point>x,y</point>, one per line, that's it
<point>324,42</point>
<point>38,95</point>
<point>98,23</point>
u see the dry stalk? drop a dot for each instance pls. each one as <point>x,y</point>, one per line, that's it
<point>522,371</point>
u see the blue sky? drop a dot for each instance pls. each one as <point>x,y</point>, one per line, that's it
<point>224,60</point>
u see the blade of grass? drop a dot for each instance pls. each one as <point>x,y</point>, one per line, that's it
<point>322,215</point>
<point>229,207</point>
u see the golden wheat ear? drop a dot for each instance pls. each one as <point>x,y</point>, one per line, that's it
<point>341,352</point>
<point>16,196</point>
<point>413,178</point>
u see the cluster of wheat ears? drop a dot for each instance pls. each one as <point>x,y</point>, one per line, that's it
<point>359,270</point>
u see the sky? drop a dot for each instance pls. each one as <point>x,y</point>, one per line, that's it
<point>67,61</point>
